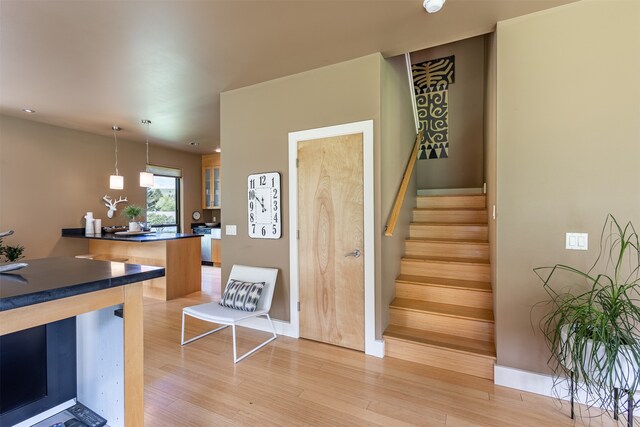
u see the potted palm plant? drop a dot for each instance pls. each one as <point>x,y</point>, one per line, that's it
<point>133,213</point>
<point>593,333</point>
<point>10,252</point>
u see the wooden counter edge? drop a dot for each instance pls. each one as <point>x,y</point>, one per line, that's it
<point>131,296</point>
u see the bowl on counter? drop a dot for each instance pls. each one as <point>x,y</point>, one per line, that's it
<point>115,228</point>
<point>211,224</point>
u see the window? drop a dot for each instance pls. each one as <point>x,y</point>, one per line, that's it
<point>163,204</point>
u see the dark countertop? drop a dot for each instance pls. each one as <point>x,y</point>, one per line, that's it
<point>48,279</point>
<point>140,238</point>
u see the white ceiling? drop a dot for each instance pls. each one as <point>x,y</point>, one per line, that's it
<point>90,64</point>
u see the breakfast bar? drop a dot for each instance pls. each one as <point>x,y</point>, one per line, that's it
<point>51,290</point>
<point>178,253</point>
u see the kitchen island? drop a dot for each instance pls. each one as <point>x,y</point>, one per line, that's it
<point>178,253</point>
<point>51,289</point>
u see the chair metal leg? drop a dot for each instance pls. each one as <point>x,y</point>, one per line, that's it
<point>250,352</point>
<point>236,359</point>
<point>233,329</point>
<point>182,336</point>
<point>183,342</point>
<point>616,402</point>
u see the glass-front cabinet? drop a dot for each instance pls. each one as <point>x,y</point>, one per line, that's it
<point>211,181</point>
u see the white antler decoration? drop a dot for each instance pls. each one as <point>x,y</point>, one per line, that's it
<point>6,233</point>
<point>112,205</point>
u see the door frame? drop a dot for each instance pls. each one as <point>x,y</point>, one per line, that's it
<point>371,345</point>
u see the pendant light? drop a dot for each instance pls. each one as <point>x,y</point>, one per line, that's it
<point>146,178</point>
<point>116,182</point>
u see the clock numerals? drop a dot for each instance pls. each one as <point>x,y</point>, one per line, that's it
<point>263,191</point>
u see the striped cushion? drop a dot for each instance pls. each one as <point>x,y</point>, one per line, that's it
<point>242,295</point>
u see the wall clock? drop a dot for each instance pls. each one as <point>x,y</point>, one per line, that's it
<point>265,219</point>
<point>195,215</point>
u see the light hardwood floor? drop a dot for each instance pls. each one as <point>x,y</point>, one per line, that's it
<point>303,383</point>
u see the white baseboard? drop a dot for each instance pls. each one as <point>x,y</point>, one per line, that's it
<point>523,380</point>
<point>262,324</point>
<point>375,348</point>
<point>538,383</point>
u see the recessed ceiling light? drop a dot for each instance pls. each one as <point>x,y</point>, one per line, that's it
<point>116,127</point>
<point>432,6</point>
<point>217,150</point>
<point>194,143</point>
<point>28,110</point>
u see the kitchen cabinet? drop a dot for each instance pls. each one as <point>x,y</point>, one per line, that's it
<point>211,181</point>
<point>52,289</point>
<point>178,253</point>
<point>216,259</point>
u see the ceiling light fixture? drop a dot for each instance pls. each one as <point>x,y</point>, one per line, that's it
<point>194,143</point>
<point>28,110</point>
<point>432,6</point>
<point>146,178</point>
<point>116,182</point>
<point>218,149</point>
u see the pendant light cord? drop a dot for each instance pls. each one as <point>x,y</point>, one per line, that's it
<point>148,123</point>
<point>115,135</point>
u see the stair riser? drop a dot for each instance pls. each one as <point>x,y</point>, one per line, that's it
<point>449,270</point>
<point>450,217</point>
<point>445,295</point>
<point>440,358</point>
<point>479,251</point>
<point>465,232</point>
<point>468,328</point>
<point>453,202</point>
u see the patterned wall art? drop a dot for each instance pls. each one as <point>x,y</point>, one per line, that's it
<point>431,80</point>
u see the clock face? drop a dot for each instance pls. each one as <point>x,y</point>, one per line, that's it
<point>195,215</point>
<point>264,210</point>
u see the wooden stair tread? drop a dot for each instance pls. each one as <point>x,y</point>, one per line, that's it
<point>450,310</point>
<point>451,342</point>
<point>443,282</point>
<point>452,224</point>
<point>450,209</point>
<point>446,260</point>
<point>453,241</point>
<point>451,195</point>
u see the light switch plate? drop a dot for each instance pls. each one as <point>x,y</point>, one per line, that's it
<point>577,241</point>
<point>230,230</point>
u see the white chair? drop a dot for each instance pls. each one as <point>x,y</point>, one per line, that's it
<point>215,313</point>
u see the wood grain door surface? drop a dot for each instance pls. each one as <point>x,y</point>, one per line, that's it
<point>331,217</point>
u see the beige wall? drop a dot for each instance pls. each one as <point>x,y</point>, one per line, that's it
<point>51,176</point>
<point>256,121</point>
<point>464,166</point>
<point>398,137</point>
<point>568,150</point>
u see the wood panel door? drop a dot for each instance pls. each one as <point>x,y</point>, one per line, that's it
<point>330,222</point>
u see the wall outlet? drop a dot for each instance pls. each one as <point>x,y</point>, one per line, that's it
<point>577,241</point>
<point>230,230</point>
<point>214,219</point>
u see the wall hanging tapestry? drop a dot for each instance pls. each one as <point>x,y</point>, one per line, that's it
<point>431,80</point>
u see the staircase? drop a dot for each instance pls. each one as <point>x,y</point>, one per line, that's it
<point>442,315</point>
